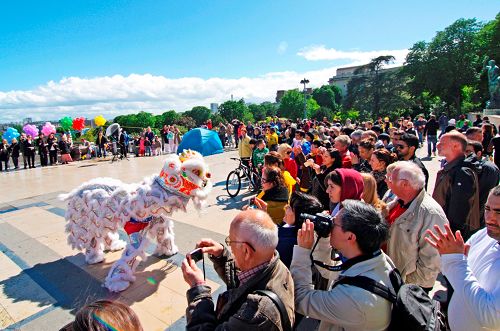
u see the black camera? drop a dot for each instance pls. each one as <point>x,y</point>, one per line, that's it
<point>196,255</point>
<point>323,224</point>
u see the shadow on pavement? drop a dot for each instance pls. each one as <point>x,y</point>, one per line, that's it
<point>237,202</point>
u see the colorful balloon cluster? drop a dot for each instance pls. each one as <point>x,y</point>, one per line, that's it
<point>48,128</point>
<point>10,134</point>
<point>99,120</point>
<point>31,130</point>
<point>79,123</point>
<point>66,123</point>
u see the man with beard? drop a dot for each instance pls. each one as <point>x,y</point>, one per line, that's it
<point>406,148</point>
<point>471,268</point>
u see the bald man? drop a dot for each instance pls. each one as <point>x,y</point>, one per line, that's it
<point>254,264</point>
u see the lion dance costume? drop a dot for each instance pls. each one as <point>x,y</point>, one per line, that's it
<point>100,207</point>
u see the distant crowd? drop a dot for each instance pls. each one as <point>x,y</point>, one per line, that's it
<point>60,149</point>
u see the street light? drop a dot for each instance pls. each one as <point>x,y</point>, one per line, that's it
<point>305,81</point>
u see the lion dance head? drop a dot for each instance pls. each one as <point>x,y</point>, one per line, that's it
<point>186,174</point>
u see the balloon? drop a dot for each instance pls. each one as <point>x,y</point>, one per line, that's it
<point>48,128</point>
<point>31,130</point>
<point>66,123</point>
<point>99,120</point>
<point>10,134</point>
<point>79,123</point>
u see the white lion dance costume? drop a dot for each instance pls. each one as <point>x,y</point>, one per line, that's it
<point>100,207</point>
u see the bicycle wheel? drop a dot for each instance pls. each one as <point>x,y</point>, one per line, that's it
<point>233,184</point>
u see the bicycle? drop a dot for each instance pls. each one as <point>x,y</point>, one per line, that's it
<point>234,179</point>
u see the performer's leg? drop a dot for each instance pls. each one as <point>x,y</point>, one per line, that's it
<point>163,231</point>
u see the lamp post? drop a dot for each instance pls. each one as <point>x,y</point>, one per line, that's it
<point>305,81</point>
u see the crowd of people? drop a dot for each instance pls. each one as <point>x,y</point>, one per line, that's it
<point>60,149</point>
<point>366,179</point>
<point>342,201</point>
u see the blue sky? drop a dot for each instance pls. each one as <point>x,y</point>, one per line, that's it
<point>109,57</point>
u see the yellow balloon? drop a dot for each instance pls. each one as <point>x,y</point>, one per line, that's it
<point>99,120</point>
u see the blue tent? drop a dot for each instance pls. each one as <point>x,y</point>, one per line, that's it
<point>205,141</point>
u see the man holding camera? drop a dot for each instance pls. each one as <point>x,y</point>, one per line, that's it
<point>356,233</point>
<point>253,265</point>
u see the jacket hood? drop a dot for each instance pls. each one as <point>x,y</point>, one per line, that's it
<point>352,184</point>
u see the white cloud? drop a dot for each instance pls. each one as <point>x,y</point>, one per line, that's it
<point>282,47</point>
<point>320,52</point>
<point>111,96</point>
<point>116,95</point>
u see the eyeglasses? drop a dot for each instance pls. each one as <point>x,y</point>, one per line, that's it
<point>289,152</point>
<point>229,241</point>
<point>401,146</point>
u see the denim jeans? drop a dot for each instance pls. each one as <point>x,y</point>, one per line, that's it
<point>431,140</point>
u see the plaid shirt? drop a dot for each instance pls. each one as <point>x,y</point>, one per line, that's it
<point>244,276</point>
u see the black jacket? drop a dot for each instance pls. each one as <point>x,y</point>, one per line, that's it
<point>14,149</point>
<point>29,147</point>
<point>431,128</point>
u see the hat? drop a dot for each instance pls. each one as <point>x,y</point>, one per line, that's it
<point>452,122</point>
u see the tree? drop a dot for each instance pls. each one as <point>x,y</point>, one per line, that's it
<point>231,109</point>
<point>378,94</point>
<point>323,112</point>
<point>449,62</point>
<point>258,111</point>
<point>169,117</point>
<point>143,120</point>
<point>200,114</point>
<point>292,105</point>
<point>329,96</point>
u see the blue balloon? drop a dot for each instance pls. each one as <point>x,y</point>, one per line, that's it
<point>10,134</point>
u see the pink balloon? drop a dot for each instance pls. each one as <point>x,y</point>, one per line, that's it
<point>48,128</point>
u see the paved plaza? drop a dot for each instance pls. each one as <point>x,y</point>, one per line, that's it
<point>43,282</point>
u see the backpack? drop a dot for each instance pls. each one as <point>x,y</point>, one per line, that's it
<point>412,308</point>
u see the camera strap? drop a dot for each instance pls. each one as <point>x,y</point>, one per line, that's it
<point>344,266</point>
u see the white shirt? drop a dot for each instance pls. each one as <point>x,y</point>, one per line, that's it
<point>475,304</point>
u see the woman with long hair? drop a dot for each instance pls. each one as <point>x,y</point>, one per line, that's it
<point>370,195</point>
<point>332,160</point>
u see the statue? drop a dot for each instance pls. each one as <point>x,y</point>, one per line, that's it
<point>493,83</point>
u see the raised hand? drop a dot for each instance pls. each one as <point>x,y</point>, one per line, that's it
<point>446,242</point>
<point>305,236</point>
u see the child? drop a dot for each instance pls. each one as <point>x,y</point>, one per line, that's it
<point>147,145</point>
<point>141,146</point>
<point>258,153</point>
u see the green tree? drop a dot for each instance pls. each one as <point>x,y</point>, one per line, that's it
<point>144,119</point>
<point>186,121</point>
<point>258,111</point>
<point>449,62</point>
<point>292,105</point>
<point>329,96</point>
<point>381,94</point>
<point>323,112</point>
<point>231,109</point>
<point>200,114</point>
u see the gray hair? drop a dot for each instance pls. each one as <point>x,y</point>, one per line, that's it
<point>356,134</point>
<point>258,234</point>
<point>411,172</point>
<point>344,139</point>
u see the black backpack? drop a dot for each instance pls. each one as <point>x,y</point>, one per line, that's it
<point>412,308</point>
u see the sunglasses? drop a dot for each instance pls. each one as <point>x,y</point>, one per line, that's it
<point>401,146</point>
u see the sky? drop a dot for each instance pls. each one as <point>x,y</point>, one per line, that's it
<point>88,58</point>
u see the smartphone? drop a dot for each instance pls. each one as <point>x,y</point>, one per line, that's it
<point>252,204</point>
<point>196,255</point>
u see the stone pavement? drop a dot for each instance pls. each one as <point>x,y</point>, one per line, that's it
<point>43,282</point>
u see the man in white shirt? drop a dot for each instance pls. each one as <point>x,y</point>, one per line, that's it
<point>473,269</point>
